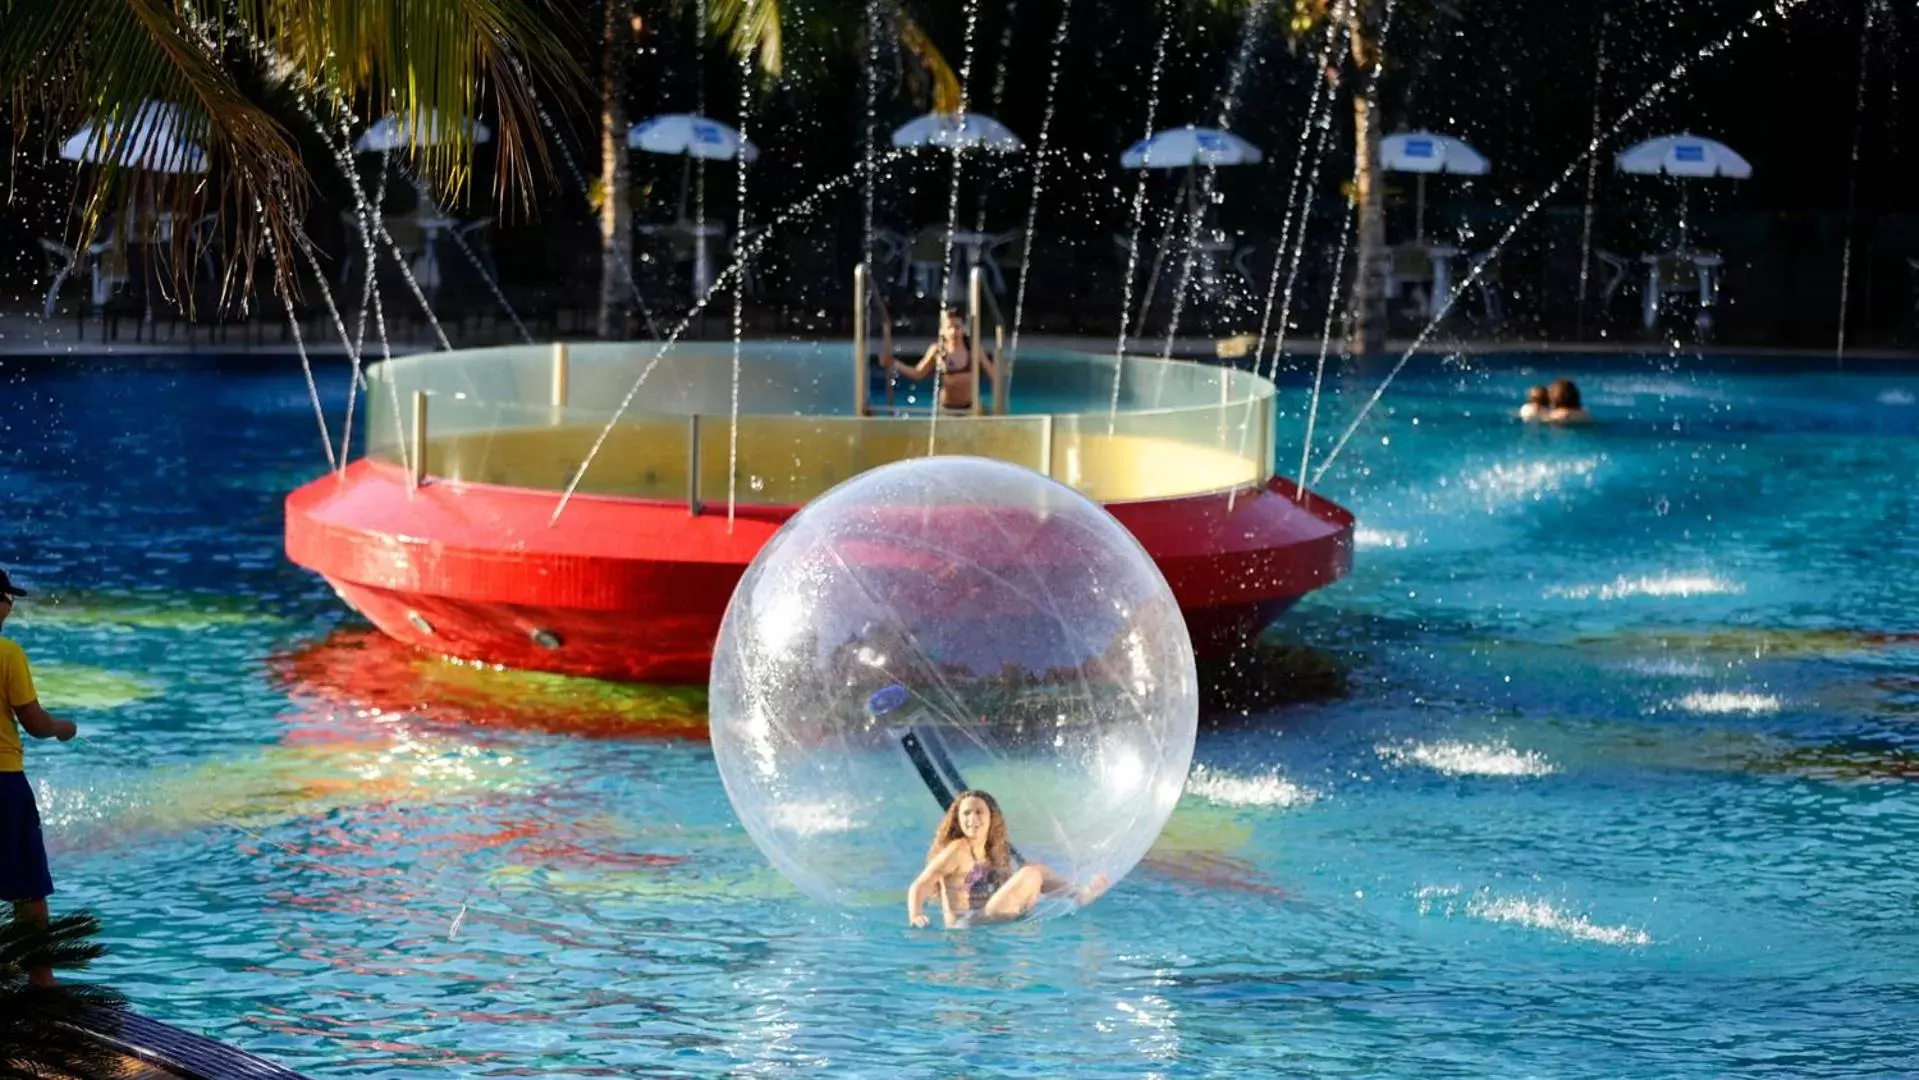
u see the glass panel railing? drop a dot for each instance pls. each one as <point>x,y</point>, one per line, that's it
<point>789,460</point>
<point>520,439</point>
<point>1166,454</point>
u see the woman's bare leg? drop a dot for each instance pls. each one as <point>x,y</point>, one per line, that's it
<point>1017,896</point>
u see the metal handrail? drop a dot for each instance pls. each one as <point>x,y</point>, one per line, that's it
<point>983,301</point>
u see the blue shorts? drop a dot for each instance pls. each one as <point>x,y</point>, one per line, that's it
<point>23,855</point>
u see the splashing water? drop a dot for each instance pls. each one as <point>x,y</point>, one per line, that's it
<point>1347,228</point>
<point>1852,175</point>
<point>1780,8</point>
<point>1039,170</point>
<point>802,208</point>
<point>1299,195</point>
<point>1229,102</point>
<point>1139,209</point>
<point>1226,789</point>
<point>952,225</point>
<point>1454,757</point>
<point>1592,173</point>
<point>740,257</point>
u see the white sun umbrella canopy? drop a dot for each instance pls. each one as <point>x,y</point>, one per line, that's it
<point>1684,155</point>
<point>393,132</point>
<point>1180,148</point>
<point>1424,152</point>
<point>691,135</point>
<point>154,138</point>
<point>974,131</point>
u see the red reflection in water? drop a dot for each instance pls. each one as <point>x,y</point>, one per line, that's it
<point>366,670</point>
<point>1215,871</point>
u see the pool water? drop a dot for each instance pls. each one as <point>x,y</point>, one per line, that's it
<point>1622,781</point>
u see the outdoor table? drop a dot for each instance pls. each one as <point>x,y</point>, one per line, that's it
<point>702,234</point>
<point>426,268</point>
<point>1706,262</point>
<point>1442,257</point>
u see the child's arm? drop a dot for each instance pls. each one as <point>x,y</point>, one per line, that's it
<point>41,724</point>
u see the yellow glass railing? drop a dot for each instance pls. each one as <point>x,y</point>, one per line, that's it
<point>530,416</point>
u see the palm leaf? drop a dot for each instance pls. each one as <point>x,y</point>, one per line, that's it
<point>79,59</point>
<point>43,1029</point>
<point>766,27</point>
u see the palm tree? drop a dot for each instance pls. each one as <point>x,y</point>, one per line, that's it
<point>73,60</point>
<point>40,1034</point>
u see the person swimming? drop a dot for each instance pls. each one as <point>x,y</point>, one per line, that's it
<point>970,866</point>
<point>1536,405</point>
<point>1563,407</point>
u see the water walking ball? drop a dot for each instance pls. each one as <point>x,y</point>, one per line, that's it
<point>939,625</point>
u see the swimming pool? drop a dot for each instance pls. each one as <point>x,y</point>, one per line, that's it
<point>1622,782</point>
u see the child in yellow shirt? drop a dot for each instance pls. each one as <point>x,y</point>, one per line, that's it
<point>24,879</point>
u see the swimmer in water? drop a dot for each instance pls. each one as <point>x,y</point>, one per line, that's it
<point>970,866</point>
<point>1536,405</point>
<point>1562,397</point>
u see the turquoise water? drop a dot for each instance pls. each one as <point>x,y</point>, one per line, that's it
<point>1622,782</point>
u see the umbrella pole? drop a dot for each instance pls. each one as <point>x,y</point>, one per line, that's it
<point>686,173</point>
<point>1682,215</point>
<point>1419,209</point>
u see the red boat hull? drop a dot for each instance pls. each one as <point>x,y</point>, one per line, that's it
<point>634,589</point>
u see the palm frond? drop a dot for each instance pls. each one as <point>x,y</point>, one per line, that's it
<point>946,85</point>
<point>431,63</point>
<point>43,1030</point>
<point>103,59</point>
<point>750,27</point>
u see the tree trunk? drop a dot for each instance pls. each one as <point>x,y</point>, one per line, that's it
<point>616,225</point>
<point>1365,24</point>
<point>1369,277</point>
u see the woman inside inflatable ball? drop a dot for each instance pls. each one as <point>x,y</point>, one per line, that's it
<point>971,867</point>
<point>933,630</point>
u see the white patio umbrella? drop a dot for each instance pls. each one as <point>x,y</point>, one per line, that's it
<point>397,131</point>
<point>976,131</point>
<point>153,138</point>
<point>391,132</point>
<point>691,135</point>
<point>1683,156</point>
<point>1423,152</point>
<point>1185,147</point>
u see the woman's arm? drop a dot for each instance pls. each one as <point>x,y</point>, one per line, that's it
<point>918,372</point>
<point>937,867</point>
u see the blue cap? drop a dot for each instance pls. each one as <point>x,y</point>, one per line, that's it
<point>886,699</point>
